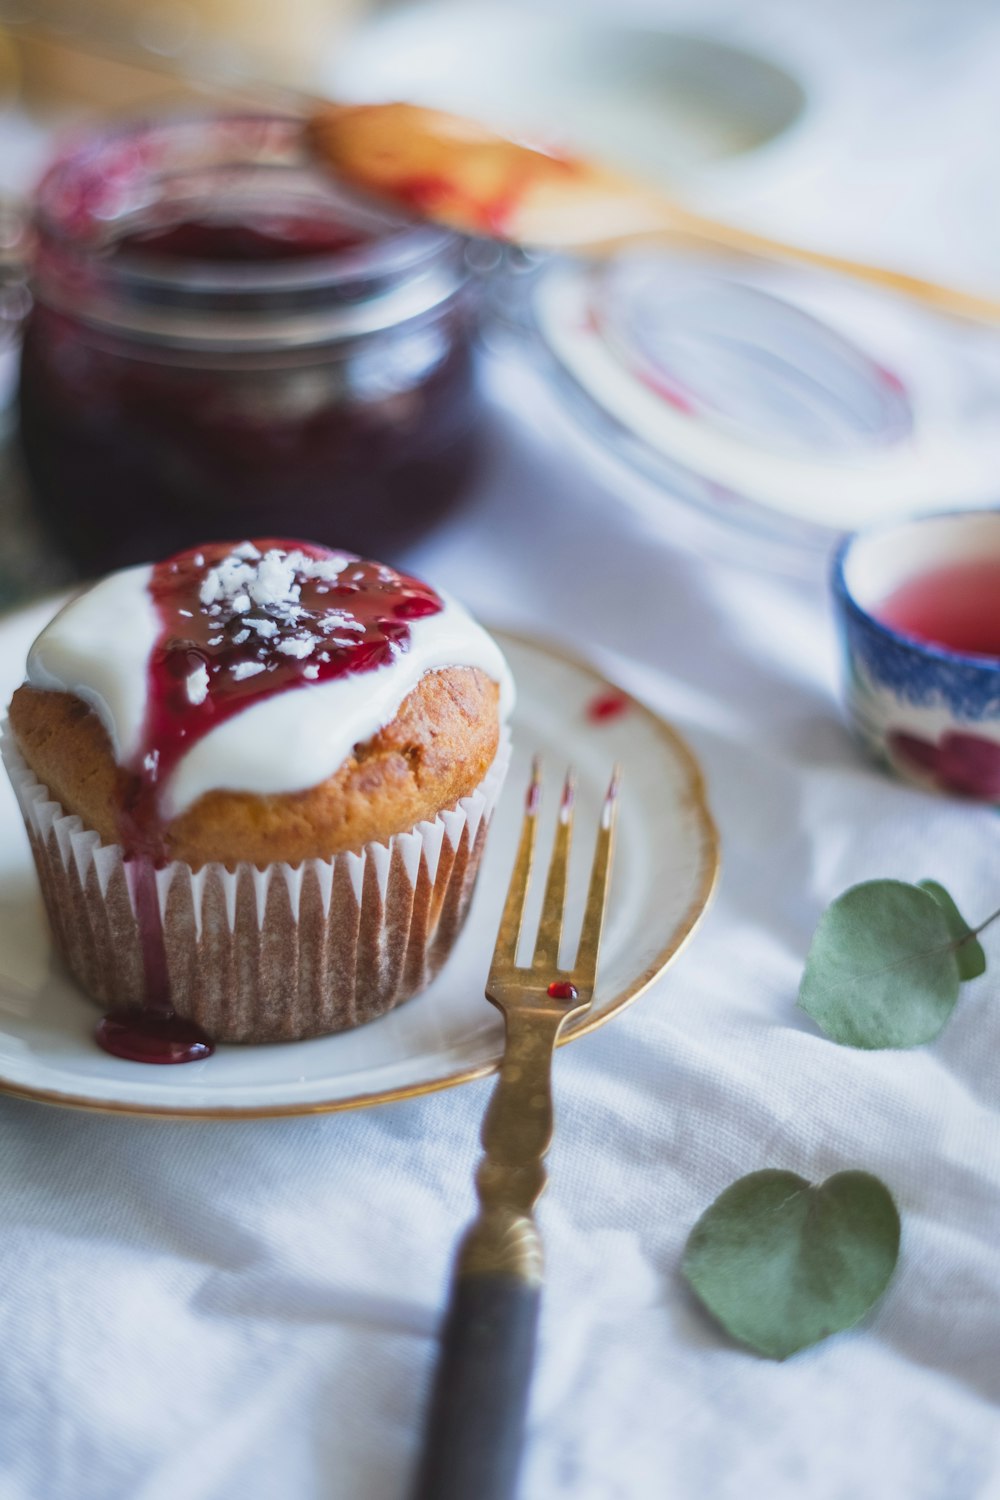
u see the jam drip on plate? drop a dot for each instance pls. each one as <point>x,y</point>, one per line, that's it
<point>141,1036</point>
<point>238,624</point>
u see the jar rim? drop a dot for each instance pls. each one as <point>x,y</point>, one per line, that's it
<point>103,177</point>
<point>109,182</point>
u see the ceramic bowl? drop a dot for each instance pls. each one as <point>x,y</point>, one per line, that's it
<point>929,714</point>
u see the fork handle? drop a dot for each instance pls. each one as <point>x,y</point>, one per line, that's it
<point>475,1426</point>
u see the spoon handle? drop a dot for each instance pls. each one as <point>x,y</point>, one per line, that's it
<point>680,224</point>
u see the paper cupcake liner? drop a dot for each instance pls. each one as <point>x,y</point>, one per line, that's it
<point>277,954</point>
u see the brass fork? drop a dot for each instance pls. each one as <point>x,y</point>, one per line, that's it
<point>475,1425</point>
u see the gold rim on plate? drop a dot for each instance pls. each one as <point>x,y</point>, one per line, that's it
<point>698,801</point>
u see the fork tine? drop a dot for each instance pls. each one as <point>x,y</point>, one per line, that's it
<point>554,901</point>
<point>505,951</point>
<point>585,968</point>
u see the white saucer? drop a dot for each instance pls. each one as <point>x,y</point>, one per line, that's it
<point>664,871</point>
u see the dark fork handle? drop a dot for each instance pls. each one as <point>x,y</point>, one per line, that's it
<point>475,1426</point>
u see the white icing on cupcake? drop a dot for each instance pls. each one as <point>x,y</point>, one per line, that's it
<point>99,648</point>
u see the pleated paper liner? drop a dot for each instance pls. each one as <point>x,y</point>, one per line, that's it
<point>278,954</point>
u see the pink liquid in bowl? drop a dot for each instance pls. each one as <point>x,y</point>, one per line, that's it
<point>956,606</point>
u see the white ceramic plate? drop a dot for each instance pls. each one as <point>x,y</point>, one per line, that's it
<point>664,871</point>
<point>661,102</point>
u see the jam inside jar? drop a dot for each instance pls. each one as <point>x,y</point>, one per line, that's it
<point>224,342</point>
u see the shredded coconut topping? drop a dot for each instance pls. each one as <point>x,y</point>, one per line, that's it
<point>297,645</point>
<point>197,685</point>
<point>246,577</point>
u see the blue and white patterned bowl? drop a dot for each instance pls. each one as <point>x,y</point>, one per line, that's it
<point>931,715</point>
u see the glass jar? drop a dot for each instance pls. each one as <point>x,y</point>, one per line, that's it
<point>223,343</point>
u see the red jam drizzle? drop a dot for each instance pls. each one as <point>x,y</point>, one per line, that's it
<point>238,624</point>
<point>213,659</point>
<point>607,706</point>
<point>561,989</point>
<point>273,238</point>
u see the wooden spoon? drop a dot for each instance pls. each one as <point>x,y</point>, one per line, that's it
<point>457,173</point>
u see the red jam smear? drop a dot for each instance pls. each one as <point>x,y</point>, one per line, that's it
<point>607,706</point>
<point>561,989</point>
<point>278,238</point>
<point>429,195</point>
<point>221,650</point>
<point>493,212</point>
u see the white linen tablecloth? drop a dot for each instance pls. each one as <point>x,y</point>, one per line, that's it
<point>240,1312</point>
<point>218,1311</point>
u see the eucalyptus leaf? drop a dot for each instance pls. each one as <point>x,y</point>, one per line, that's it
<point>882,970</point>
<point>781,1263</point>
<point>969,951</point>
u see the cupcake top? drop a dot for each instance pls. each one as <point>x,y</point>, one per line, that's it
<point>256,667</point>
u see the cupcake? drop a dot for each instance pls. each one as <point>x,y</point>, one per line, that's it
<point>257,781</point>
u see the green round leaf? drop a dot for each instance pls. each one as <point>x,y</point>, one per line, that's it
<point>782,1264</point>
<point>882,970</point>
<point>968,950</point>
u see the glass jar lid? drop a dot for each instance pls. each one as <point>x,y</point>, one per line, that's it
<point>783,406</point>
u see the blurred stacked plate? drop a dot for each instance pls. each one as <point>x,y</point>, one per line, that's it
<point>660,102</point>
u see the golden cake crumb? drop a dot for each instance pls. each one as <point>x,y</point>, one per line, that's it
<point>436,750</point>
